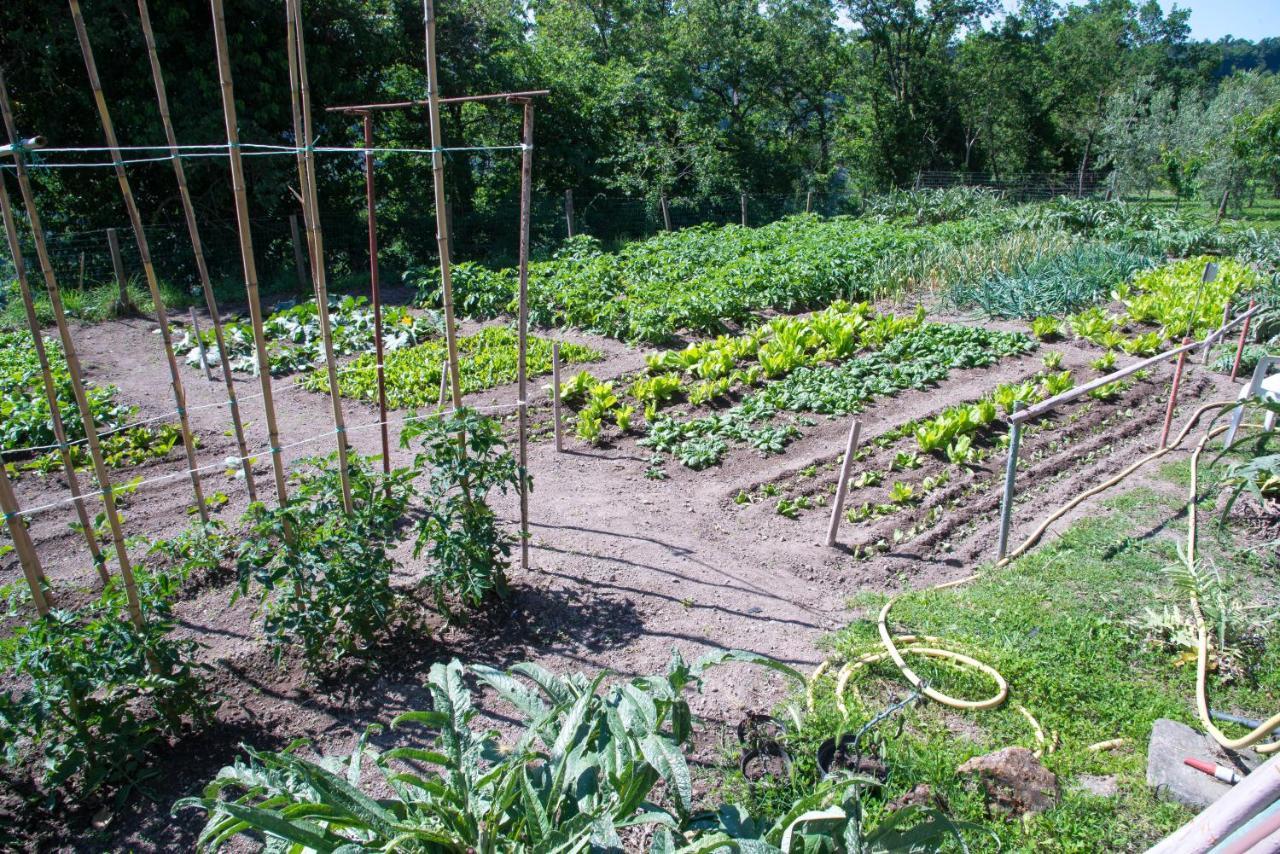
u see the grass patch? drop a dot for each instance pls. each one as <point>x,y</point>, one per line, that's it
<point>1059,624</point>
<point>486,359</point>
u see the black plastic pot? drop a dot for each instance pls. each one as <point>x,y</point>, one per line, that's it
<point>844,756</point>
<point>755,759</point>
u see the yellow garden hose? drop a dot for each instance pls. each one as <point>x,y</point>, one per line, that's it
<point>895,648</point>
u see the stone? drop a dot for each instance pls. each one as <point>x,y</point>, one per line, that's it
<point>1172,742</point>
<point>1098,785</point>
<point>1014,780</point>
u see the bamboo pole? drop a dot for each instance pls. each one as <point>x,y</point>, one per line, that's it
<point>73,362</point>
<point>144,249</point>
<point>312,220</point>
<point>246,244</point>
<point>50,391</point>
<point>197,249</point>
<point>375,294</point>
<point>526,194</point>
<point>298,263</point>
<point>22,544</point>
<point>442,224</point>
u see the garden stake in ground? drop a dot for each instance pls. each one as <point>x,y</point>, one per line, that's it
<point>302,98</point>
<point>46,377</point>
<point>22,544</point>
<point>73,361</point>
<point>246,244</point>
<point>197,249</point>
<point>144,250</point>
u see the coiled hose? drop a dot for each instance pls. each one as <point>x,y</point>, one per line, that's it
<point>896,648</point>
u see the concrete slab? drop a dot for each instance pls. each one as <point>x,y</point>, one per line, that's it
<point>1171,743</point>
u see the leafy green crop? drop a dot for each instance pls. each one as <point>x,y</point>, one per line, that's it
<point>1175,298</point>
<point>486,359</point>
<point>293,335</point>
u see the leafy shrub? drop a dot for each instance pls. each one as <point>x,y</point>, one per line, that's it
<point>463,458</point>
<point>585,762</point>
<point>322,577</point>
<point>97,693</point>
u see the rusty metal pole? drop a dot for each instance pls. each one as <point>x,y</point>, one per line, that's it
<point>374,292</point>
<point>526,193</point>
<point>1173,395</point>
<point>1244,333</point>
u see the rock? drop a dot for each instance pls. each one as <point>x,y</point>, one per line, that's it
<point>1167,773</point>
<point>1014,780</point>
<point>920,796</point>
<point>1099,785</point>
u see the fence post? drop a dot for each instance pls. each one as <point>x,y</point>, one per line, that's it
<point>666,213</point>
<point>117,266</point>
<point>1010,473</point>
<point>808,202</point>
<point>298,263</point>
<point>568,211</point>
<point>743,201</point>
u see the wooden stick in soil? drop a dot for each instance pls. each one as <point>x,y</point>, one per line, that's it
<point>123,305</point>
<point>73,364</point>
<point>842,488</point>
<point>50,390</point>
<point>555,396</point>
<point>312,221</point>
<point>1244,333</point>
<point>144,250</point>
<point>31,569</point>
<point>1173,396</point>
<point>522,390</point>
<point>246,244</point>
<point>197,249</point>
<point>444,382</point>
<point>375,293</point>
<point>1010,474</point>
<point>195,331</point>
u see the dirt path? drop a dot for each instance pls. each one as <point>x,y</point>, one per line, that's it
<point>623,568</point>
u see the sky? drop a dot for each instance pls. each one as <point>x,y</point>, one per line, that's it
<point>1244,19</point>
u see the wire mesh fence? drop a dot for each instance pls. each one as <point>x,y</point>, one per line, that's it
<point>487,233</point>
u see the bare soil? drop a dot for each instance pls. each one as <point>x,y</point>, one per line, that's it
<point>622,568</point>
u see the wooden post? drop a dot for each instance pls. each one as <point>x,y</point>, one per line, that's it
<point>311,196</point>
<point>742,200</point>
<point>246,244</point>
<point>666,212</point>
<point>1173,396</point>
<point>448,220</point>
<point>522,329</point>
<point>299,262</point>
<point>1222,206</point>
<point>1244,333</point>
<point>568,211</point>
<point>842,488</point>
<point>144,250</point>
<point>73,364</point>
<point>444,382</point>
<point>1010,475</point>
<point>22,544</point>
<point>375,294</point>
<point>204,357</point>
<point>808,202</point>
<point>50,390</point>
<point>123,304</point>
<point>197,249</point>
<point>555,396</point>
